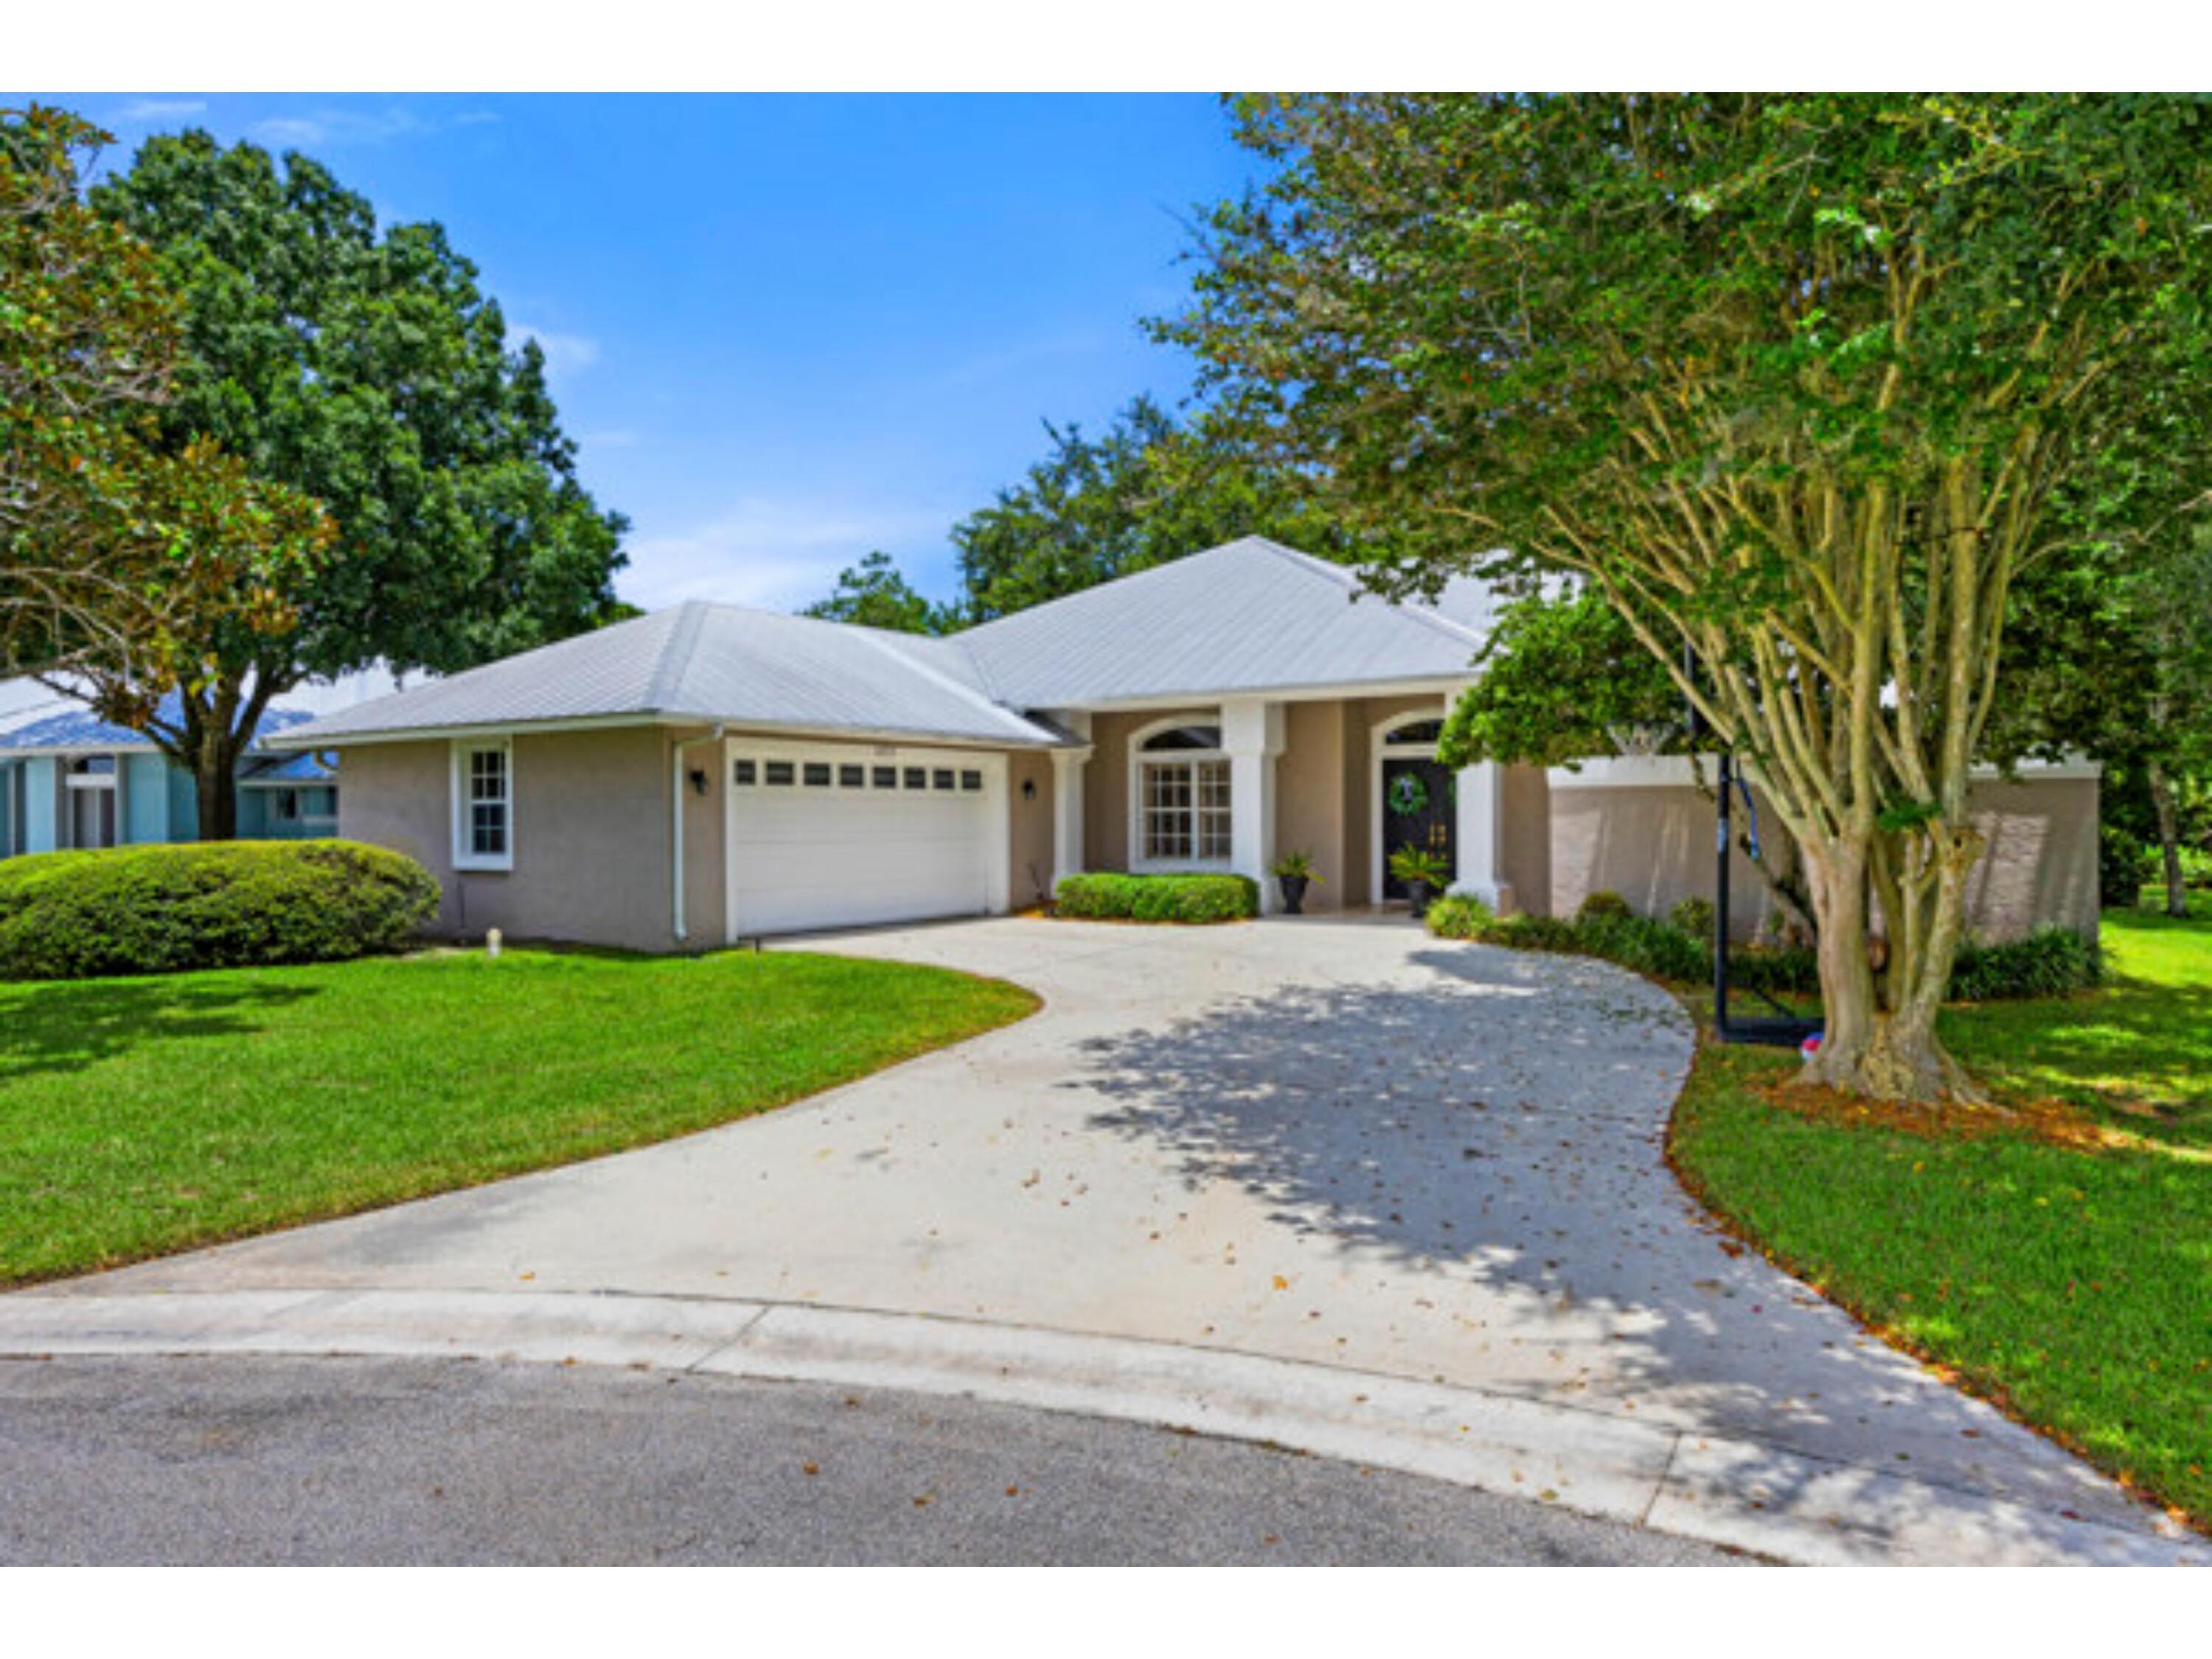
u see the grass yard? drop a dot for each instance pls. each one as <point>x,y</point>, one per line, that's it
<point>2059,1263</point>
<point>143,1115</point>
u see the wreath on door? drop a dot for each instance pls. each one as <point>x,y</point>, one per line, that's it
<point>1408,794</point>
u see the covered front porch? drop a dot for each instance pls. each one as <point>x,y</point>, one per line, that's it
<point>1236,784</point>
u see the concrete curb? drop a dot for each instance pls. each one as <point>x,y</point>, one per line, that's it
<point>1737,1493</point>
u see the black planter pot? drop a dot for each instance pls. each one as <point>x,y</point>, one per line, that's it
<point>1294,894</point>
<point>1417,898</point>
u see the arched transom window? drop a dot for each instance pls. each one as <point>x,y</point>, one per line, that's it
<point>1179,783</point>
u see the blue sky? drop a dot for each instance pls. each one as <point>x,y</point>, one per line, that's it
<point>785,331</point>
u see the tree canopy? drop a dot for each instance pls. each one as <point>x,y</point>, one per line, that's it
<point>1149,490</point>
<point>1563,679</point>
<point>112,545</point>
<point>1794,382</point>
<point>366,368</point>
<point>875,595</point>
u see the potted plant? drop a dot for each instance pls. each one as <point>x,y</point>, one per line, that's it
<point>1294,872</point>
<point>1424,874</point>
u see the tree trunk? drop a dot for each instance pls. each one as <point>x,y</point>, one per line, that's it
<point>216,772</point>
<point>1880,1039</point>
<point>2169,840</point>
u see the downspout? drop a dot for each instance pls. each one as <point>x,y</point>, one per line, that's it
<point>676,826</point>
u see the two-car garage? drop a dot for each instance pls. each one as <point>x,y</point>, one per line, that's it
<point>848,836</point>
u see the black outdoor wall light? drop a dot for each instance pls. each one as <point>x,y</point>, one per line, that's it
<point>698,780</point>
<point>1028,788</point>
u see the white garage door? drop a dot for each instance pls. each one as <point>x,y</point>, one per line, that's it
<point>840,837</point>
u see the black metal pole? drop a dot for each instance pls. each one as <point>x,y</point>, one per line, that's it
<point>1721,837</point>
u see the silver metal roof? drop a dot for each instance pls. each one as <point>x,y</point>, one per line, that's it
<point>706,662</point>
<point>1250,617</point>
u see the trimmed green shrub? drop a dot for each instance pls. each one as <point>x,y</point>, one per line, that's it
<point>1777,969</point>
<point>1695,916</point>
<point>1654,949</point>
<point>1104,897</point>
<point>2053,962</point>
<point>1602,904</point>
<point>1459,915</point>
<point>2050,962</point>
<point>227,904</point>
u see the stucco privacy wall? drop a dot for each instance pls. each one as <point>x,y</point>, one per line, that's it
<point>592,839</point>
<point>1618,827</point>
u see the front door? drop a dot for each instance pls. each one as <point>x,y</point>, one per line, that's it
<point>1418,811</point>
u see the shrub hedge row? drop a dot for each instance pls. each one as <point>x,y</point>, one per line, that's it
<point>2050,962</point>
<point>1106,897</point>
<point>226,904</point>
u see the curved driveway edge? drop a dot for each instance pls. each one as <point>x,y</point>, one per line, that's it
<point>1716,1490</point>
<point>1330,1141</point>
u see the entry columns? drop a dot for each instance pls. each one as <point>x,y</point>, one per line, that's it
<point>1067,799</point>
<point>1252,737</point>
<point>1481,832</point>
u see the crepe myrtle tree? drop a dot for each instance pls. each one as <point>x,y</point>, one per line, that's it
<point>1791,380</point>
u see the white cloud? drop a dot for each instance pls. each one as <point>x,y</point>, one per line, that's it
<point>340,125</point>
<point>774,555</point>
<point>564,353</point>
<point>160,109</point>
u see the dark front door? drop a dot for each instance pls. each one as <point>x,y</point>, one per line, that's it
<point>1417,810</point>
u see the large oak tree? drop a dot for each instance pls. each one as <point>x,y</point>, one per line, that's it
<point>1794,380</point>
<point>364,367</point>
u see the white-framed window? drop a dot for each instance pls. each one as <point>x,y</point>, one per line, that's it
<point>1179,780</point>
<point>483,804</point>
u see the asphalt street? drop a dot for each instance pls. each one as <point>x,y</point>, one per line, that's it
<point>259,1459</point>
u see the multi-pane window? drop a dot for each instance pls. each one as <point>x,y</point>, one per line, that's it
<point>1183,806</point>
<point>483,830</point>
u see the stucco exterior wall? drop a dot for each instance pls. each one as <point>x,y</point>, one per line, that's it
<point>1654,846</point>
<point>1312,803</point>
<point>1525,849</point>
<point>591,839</point>
<point>1324,791</point>
<point>1028,862</point>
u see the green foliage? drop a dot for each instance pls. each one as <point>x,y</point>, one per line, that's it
<point>1560,678</point>
<point>2052,961</point>
<point>111,544</point>
<point>1296,866</point>
<point>1104,897</point>
<point>1459,915</point>
<point>1412,864</point>
<point>362,366</point>
<point>875,595</point>
<point>1695,916</point>
<point>1798,382</point>
<point>1602,902</point>
<point>171,908</point>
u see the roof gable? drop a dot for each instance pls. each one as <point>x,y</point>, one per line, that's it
<point>1250,616</point>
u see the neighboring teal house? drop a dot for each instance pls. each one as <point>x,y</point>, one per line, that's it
<point>69,779</point>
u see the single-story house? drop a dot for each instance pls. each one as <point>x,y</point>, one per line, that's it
<point>69,779</point>
<point>709,773</point>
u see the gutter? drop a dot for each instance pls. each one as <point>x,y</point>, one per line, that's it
<point>675,828</point>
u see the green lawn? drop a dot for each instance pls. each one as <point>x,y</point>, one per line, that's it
<point>2072,1282</point>
<point>143,1115</point>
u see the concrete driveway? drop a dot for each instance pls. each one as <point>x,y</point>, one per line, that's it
<point>1334,1143</point>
